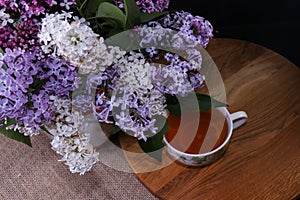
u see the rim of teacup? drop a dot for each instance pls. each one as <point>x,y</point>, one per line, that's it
<point>228,137</point>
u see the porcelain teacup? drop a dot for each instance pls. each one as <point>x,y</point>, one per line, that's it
<point>233,121</point>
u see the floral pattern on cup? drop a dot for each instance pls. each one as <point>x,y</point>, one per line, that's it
<point>196,160</point>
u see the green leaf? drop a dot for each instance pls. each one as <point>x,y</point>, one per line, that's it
<point>89,7</point>
<point>146,17</point>
<point>115,129</point>
<point>16,136</point>
<point>154,145</point>
<point>45,129</point>
<point>207,102</point>
<point>133,13</point>
<point>1,51</point>
<point>193,101</point>
<point>10,122</point>
<point>178,104</point>
<point>174,109</point>
<point>111,27</point>
<point>108,10</point>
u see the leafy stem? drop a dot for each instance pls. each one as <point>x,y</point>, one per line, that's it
<point>80,9</point>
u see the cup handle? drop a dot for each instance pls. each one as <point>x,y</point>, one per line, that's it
<point>238,118</point>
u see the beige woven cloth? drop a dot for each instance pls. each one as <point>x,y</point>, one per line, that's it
<point>34,173</point>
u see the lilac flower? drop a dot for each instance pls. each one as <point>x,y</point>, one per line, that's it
<point>106,85</point>
<point>135,114</point>
<point>109,78</point>
<point>26,86</point>
<point>104,107</point>
<point>21,70</point>
<point>11,95</point>
<point>23,33</point>
<point>21,66</point>
<point>9,4</point>
<point>147,6</point>
<point>27,8</point>
<point>128,97</point>
<point>75,42</point>
<point>196,79</point>
<point>82,102</point>
<point>172,79</point>
<point>69,140</point>
<point>4,18</point>
<point>152,51</point>
<point>40,101</point>
<point>193,28</point>
<point>61,76</point>
<point>153,34</point>
<point>180,77</point>
<point>22,36</point>
<point>67,3</point>
<point>13,89</point>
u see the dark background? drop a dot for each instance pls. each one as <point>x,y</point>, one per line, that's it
<point>273,24</point>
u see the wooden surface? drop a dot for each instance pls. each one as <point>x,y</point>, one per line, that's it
<point>263,158</point>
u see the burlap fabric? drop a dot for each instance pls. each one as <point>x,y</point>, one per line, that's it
<point>34,173</point>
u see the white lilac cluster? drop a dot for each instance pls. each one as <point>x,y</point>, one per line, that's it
<point>74,41</point>
<point>154,34</point>
<point>70,140</point>
<point>140,100</point>
<point>135,72</point>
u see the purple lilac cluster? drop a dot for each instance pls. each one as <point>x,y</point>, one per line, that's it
<point>24,36</point>
<point>30,8</point>
<point>27,15</point>
<point>177,78</point>
<point>131,112</point>
<point>106,85</point>
<point>130,108</point>
<point>193,28</point>
<point>61,77</point>
<point>25,88</point>
<point>135,114</point>
<point>18,74</point>
<point>27,8</point>
<point>147,6</point>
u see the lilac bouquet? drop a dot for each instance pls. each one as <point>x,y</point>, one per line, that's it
<point>51,49</point>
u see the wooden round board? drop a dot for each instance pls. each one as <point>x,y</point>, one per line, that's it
<point>263,158</point>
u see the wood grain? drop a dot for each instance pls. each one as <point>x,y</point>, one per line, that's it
<point>263,158</point>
